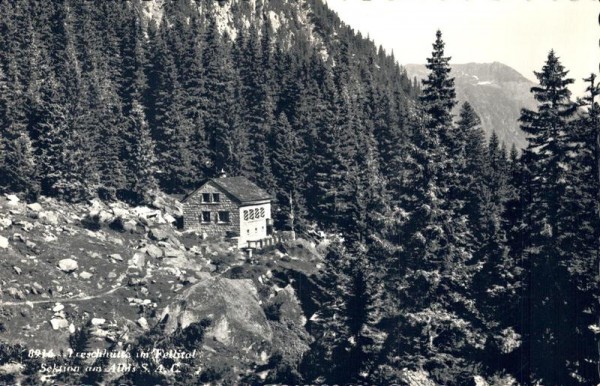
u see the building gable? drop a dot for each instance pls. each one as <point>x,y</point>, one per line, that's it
<point>239,189</point>
<point>208,185</point>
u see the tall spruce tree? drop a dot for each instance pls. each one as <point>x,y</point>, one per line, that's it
<point>173,129</point>
<point>550,293</point>
<point>436,270</point>
<point>288,168</point>
<point>439,96</point>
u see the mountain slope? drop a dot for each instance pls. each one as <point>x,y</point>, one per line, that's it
<point>112,273</point>
<point>496,91</point>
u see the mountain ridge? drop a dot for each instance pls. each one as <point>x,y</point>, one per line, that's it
<point>496,91</point>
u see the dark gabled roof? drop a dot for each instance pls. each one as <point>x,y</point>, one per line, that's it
<point>240,188</point>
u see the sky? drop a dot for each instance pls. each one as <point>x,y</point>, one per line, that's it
<point>519,33</point>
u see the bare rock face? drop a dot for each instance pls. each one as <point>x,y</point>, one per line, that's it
<point>238,319</point>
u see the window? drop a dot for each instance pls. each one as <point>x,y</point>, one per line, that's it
<point>223,217</point>
<point>205,216</point>
<point>205,197</point>
<point>216,197</point>
<point>245,215</point>
<point>262,212</point>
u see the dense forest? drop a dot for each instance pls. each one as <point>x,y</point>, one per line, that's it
<point>455,256</point>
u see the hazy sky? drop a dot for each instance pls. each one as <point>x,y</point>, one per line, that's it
<point>519,33</point>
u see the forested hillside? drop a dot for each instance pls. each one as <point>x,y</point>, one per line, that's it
<point>454,261</point>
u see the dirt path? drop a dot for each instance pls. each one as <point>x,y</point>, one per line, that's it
<point>61,300</point>
<point>80,299</point>
<point>68,300</point>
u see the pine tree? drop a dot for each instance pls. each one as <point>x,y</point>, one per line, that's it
<point>173,129</point>
<point>545,159</point>
<point>259,109</point>
<point>288,169</point>
<point>227,139</point>
<point>140,156</point>
<point>434,264</point>
<point>18,164</point>
<point>438,97</point>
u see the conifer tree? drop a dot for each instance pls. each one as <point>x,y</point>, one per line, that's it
<point>288,168</point>
<point>140,156</point>
<point>18,164</point>
<point>549,130</point>
<point>173,129</point>
<point>438,96</point>
<point>438,245</point>
<point>227,139</point>
<point>259,109</point>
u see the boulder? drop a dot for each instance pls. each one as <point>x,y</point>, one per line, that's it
<point>98,321</point>
<point>138,261</point>
<point>143,323</point>
<point>159,234</point>
<point>58,307</point>
<point>48,218</point>
<point>174,253</point>
<point>12,198</point>
<point>116,256</point>
<point>238,319</point>
<point>5,222</point>
<point>85,275</point>
<point>121,213</point>
<point>145,214</point>
<point>159,203</point>
<point>68,265</point>
<point>59,323</point>
<point>31,246</point>
<point>478,380</point>
<point>129,226</point>
<point>154,251</point>
<point>16,293</point>
<point>36,207</point>
<point>105,216</point>
<point>170,219</point>
<point>3,242</point>
<point>415,378</point>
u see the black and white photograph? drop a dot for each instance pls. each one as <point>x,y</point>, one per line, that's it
<point>300,192</point>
